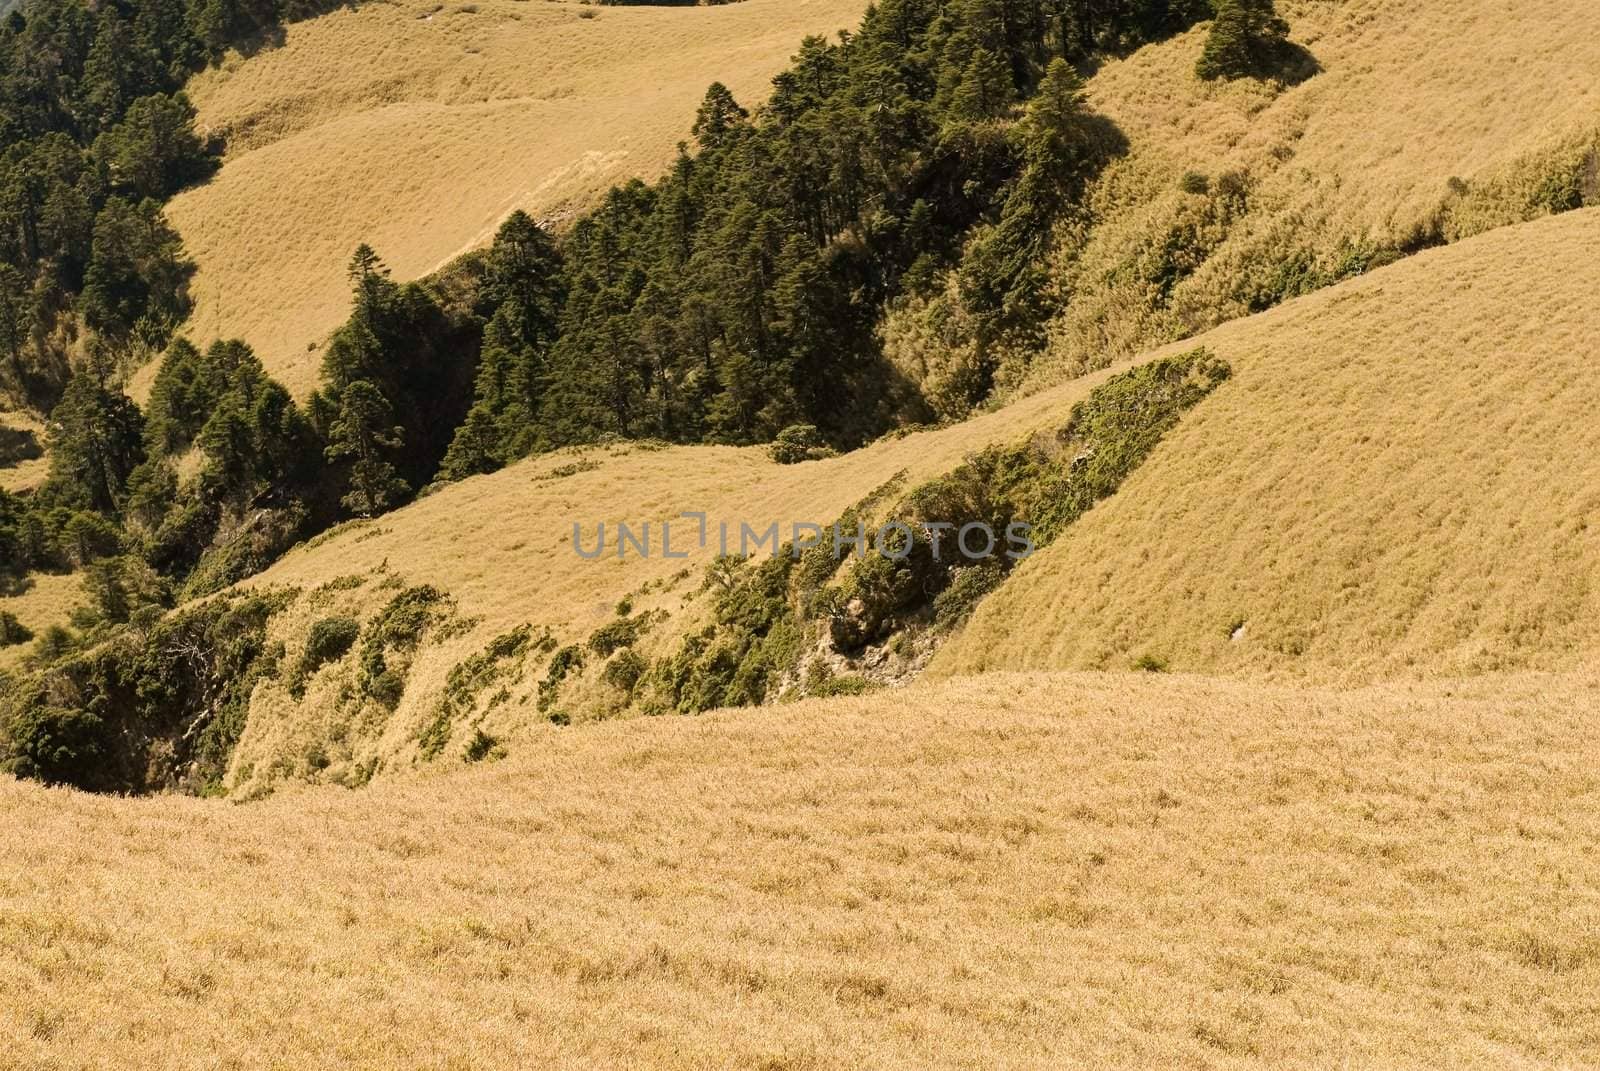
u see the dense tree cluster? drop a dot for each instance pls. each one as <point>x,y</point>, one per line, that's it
<point>95,133</point>
<point>739,295</point>
<point>1247,37</point>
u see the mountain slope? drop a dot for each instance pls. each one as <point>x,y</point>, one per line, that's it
<point>1399,480</point>
<point>418,127</point>
<point>1402,478</point>
<point>1006,872</point>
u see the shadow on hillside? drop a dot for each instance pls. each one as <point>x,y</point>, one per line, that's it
<point>12,586</point>
<point>18,445</point>
<point>1290,64</point>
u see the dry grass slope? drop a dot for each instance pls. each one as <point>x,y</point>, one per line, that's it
<point>419,126</point>
<point>1402,478</point>
<point>1399,481</point>
<point>1442,116</point>
<point>501,546</point>
<point>1006,872</point>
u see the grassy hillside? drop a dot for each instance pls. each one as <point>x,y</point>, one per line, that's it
<point>500,547</point>
<point>1398,481</point>
<point>1401,479</point>
<point>1424,123</point>
<point>1008,872</point>
<point>418,127</point>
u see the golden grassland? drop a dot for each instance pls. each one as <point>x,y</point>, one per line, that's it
<point>42,600</point>
<point>1003,872</point>
<point>24,475</point>
<point>418,126</point>
<point>1403,478</point>
<point>1443,117</point>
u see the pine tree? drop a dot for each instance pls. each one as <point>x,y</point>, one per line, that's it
<point>1246,36</point>
<point>985,91</point>
<point>719,114</point>
<point>475,449</point>
<point>95,444</point>
<point>363,431</point>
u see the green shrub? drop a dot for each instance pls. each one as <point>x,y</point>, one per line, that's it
<point>625,671</point>
<point>797,443</point>
<point>613,636</point>
<point>849,684</point>
<point>563,663</point>
<point>398,629</point>
<point>328,641</point>
<point>469,678</point>
<point>483,746</point>
<point>57,746</point>
<point>157,709</point>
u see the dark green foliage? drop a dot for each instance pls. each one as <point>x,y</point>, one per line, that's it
<point>1247,37</point>
<point>482,746</point>
<point>258,454</point>
<point>625,671</point>
<point>524,283</point>
<point>797,443</point>
<point>393,636</point>
<point>328,641</point>
<point>739,296</point>
<point>55,745</point>
<point>615,635</point>
<point>94,133</point>
<point>145,711</point>
<point>969,586</point>
<point>17,445</point>
<point>397,377</point>
<point>566,661</point>
<point>154,151</point>
<point>363,432</point>
<point>96,441</point>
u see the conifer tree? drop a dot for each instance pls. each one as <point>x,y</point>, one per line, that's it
<point>363,431</point>
<point>1245,37</point>
<point>719,114</point>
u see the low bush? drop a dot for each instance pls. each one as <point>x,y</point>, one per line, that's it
<point>797,443</point>
<point>328,641</point>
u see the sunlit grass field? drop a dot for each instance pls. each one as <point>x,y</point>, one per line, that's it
<point>1000,872</point>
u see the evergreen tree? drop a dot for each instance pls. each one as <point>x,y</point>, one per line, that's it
<point>718,116</point>
<point>1246,36</point>
<point>364,432</point>
<point>96,442</point>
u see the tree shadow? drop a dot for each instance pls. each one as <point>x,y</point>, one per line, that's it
<point>12,585</point>
<point>18,445</point>
<point>1290,64</point>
